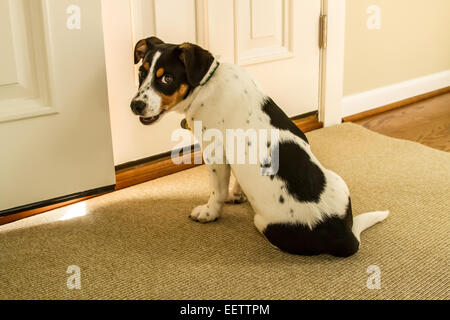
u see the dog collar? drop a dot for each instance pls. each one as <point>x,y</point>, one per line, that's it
<point>212,70</point>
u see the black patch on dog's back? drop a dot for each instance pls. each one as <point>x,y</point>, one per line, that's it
<point>333,236</point>
<point>280,120</point>
<point>304,180</point>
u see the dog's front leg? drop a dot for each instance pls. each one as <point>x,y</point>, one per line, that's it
<point>219,176</point>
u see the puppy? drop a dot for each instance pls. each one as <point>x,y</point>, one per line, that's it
<point>302,208</point>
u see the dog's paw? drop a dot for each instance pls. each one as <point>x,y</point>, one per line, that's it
<point>204,214</point>
<point>236,198</point>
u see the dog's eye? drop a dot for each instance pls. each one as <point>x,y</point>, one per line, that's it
<point>167,79</point>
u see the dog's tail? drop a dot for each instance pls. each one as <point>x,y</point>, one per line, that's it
<point>366,220</point>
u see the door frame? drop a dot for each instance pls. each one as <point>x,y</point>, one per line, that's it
<point>331,89</point>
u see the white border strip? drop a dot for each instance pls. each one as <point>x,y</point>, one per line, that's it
<point>379,97</point>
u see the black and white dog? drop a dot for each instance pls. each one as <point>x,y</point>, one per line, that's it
<point>302,209</point>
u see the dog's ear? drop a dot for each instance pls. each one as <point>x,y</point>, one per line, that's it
<point>143,46</point>
<point>197,62</point>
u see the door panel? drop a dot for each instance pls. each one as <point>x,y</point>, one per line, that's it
<point>277,42</point>
<point>55,137</point>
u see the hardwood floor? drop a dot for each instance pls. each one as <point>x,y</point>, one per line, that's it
<point>426,122</point>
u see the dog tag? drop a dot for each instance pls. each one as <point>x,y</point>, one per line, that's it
<point>185,125</point>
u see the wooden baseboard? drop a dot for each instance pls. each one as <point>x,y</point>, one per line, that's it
<point>309,123</point>
<point>395,105</point>
<point>154,169</point>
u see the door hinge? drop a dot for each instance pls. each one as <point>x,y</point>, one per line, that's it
<point>323,32</point>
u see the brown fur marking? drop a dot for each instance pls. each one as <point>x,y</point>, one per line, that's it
<point>160,72</point>
<point>168,102</point>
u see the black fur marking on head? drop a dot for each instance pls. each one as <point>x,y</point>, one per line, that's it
<point>144,46</point>
<point>197,62</point>
<point>281,199</point>
<point>304,180</point>
<point>280,120</point>
<point>170,62</point>
<point>172,66</point>
<point>333,236</point>
<point>185,64</point>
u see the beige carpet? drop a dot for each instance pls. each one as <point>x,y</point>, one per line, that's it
<point>139,243</point>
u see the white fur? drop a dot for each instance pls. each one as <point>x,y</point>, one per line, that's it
<point>366,220</point>
<point>147,94</point>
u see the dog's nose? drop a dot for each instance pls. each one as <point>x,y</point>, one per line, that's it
<point>138,107</point>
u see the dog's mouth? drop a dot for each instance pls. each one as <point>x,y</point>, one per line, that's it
<point>150,120</point>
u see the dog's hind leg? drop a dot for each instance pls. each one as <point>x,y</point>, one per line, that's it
<point>219,176</point>
<point>236,196</point>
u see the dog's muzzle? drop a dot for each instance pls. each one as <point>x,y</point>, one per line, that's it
<point>138,107</point>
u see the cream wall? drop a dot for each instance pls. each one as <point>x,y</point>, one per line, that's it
<point>414,41</point>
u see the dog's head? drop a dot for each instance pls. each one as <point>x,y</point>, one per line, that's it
<point>168,74</point>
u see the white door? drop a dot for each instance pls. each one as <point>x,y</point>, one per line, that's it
<point>277,41</point>
<point>55,139</point>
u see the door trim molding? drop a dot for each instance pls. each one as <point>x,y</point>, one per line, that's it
<point>31,95</point>
<point>332,64</point>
